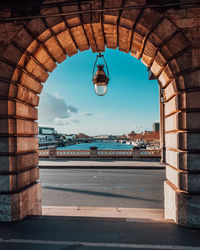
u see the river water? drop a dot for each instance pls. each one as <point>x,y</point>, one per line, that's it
<point>99,145</point>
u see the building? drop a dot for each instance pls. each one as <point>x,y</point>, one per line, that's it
<point>46,137</point>
<point>156,126</point>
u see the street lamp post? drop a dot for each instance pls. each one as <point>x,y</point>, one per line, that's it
<point>162,116</point>
<point>162,131</point>
<point>100,79</point>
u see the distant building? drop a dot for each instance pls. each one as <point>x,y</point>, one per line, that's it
<point>109,137</point>
<point>46,137</point>
<point>156,126</point>
<point>47,131</point>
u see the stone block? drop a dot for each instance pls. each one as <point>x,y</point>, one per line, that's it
<point>183,180</point>
<point>6,71</point>
<point>182,121</point>
<point>26,178</point>
<point>29,202</point>
<point>13,126</point>
<point>137,45</point>
<point>14,182</point>
<point>27,144</point>
<point>110,35</point>
<point>176,44</point>
<point>182,207</point>
<point>131,15</point>
<point>31,83</point>
<point>5,208</point>
<point>25,111</point>
<point>26,127</point>
<point>170,206</point>
<point>90,36</point>
<point>186,22</point>
<point>59,28</point>
<point>18,163</point>
<point>124,39</point>
<point>187,60</point>
<point>66,41</point>
<point>55,50</point>
<point>6,182</point>
<point>18,144</point>
<point>27,96</point>
<point>158,64</point>
<point>42,56</point>
<point>171,90</point>
<point>23,38</point>
<point>80,38</point>
<point>165,29</point>
<point>33,47</point>
<point>188,141</point>
<point>4,88</point>
<point>52,21</point>
<point>173,175</point>
<point>36,70</point>
<point>171,123</point>
<point>183,160</point>
<point>172,106</point>
<point>98,33</point>
<point>166,76</point>
<point>149,53</point>
<point>16,206</point>
<point>13,54</point>
<point>37,26</point>
<point>190,100</point>
<point>188,120</point>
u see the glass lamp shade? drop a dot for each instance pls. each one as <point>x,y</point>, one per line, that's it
<point>100,88</point>
<point>100,81</point>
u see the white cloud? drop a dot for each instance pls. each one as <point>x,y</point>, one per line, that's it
<point>53,110</point>
<point>86,114</point>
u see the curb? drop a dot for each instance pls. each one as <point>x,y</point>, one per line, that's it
<point>108,214</point>
<point>100,167</point>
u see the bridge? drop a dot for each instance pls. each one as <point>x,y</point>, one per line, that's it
<point>52,153</point>
<point>102,138</point>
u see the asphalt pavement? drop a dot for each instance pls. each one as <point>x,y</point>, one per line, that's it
<point>103,187</point>
<point>124,188</point>
<point>62,233</point>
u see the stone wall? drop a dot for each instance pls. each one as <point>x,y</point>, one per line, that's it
<point>166,39</point>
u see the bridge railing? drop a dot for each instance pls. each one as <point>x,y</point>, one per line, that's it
<point>100,154</point>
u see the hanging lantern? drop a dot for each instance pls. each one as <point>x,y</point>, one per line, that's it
<point>100,79</point>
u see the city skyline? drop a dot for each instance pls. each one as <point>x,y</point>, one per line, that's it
<point>68,101</point>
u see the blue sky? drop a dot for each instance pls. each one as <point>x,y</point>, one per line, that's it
<point>68,101</point>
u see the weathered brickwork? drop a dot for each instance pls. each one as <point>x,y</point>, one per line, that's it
<point>166,39</point>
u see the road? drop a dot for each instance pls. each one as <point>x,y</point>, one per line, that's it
<point>98,187</point>
<point>133,188</point>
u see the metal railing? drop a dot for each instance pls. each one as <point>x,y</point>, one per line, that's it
<point>100,154</point>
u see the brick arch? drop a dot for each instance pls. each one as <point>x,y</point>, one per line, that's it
<point>40,45</point>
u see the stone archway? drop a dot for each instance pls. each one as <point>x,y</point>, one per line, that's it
<point>167,42</point>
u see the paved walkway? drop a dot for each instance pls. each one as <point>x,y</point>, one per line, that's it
<point>83,163</point>
<point>64,233</point>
